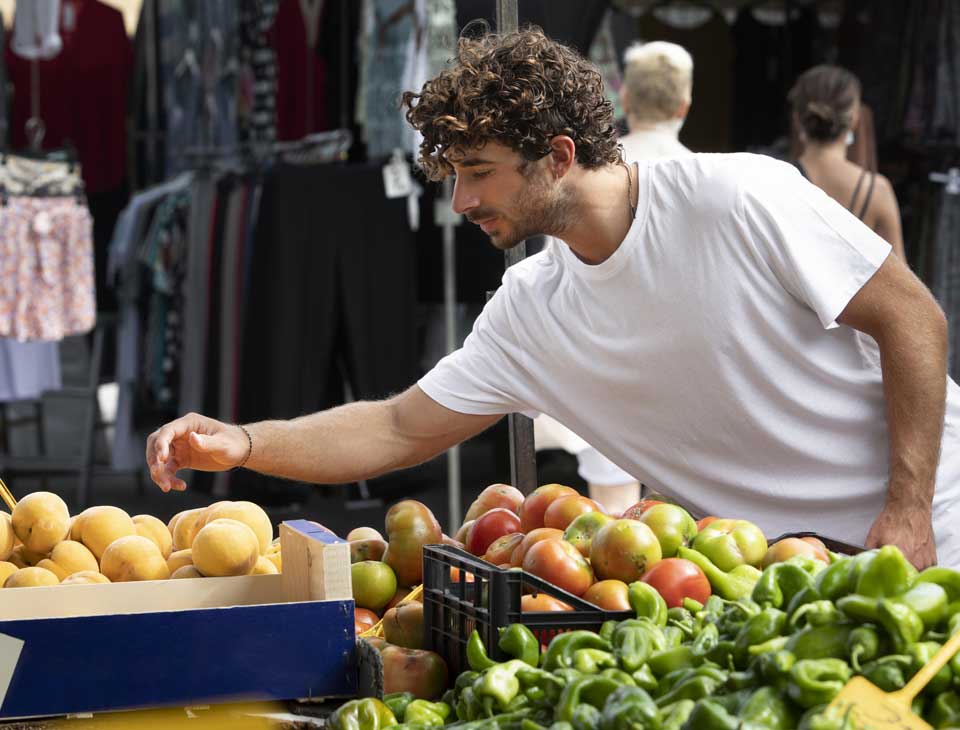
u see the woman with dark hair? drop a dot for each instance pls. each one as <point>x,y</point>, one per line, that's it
<point>826,103</point>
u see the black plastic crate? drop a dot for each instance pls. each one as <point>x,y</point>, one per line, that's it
<point>452,609</point>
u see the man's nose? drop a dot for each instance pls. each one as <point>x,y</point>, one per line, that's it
<point>463,199</point>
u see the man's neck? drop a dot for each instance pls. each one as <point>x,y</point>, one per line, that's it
<point>668,127</point>
<point>602,215</point>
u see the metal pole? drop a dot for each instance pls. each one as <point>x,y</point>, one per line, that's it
<point>523,456</point>
<point>450,316</point>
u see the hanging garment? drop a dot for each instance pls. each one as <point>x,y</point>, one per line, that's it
<point>27,369</point>
<point>943,275</point>
<point>301,71</point>
<point>709,41</point>
<point>46,268</point>
<point>36,31</point>
<point>199,74</point>
<point>768,57</point>
<point>83,95</point>
<point>257,87</point>
<point>604,55</point>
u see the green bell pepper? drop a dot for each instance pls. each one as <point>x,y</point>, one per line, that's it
<point>863,645</point>
<point>500,682</point>
<point>645,680</point>
<point>477,656</point>
<point>519,642</point>
<point>862,609</point>
<point>922,652</point>
<point>628,708</point>
<point>693,688</point>
<point>711,715</point>
<point>672,637</point>
<point>664,662</point>
<point>805,596</point>
<point>766,625</point>
<point>887,575</point>
<point>820,642</point>
<point>890,672</point>
<point>733,586</point>
<point>434,714</point>
<point>817,681</point>
<point>742,680</point>
<point>634,643</point>
<point>944,711</point>
<point>591,661</point>
<point>607,628</point>
<point>397,703</point>
<point>692,605</point>
<point>823,718</point>
<point>647,602</point>
<point>779,583</point>
<point>836,580</point>
<point>591,689</point>
<point>708,638</point>
<point>560,651</point>
<point>767,708</point>
<point>902,623</point>
<point>585,717</point>
<point>675,716</point>
<point>774,669</point>
<point>928,601</point>
<point>946,578</point>
<point>815,613</point>
<point>368,713</point>
<point>618,675</point>
<point>468,705</point>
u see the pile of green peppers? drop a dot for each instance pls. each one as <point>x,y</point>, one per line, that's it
<point>770,660</point>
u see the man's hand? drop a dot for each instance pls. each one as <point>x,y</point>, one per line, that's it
<point>193,442</point>
<point>910,529</point>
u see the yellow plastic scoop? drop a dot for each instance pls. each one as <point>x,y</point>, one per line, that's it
<point>871,707</point>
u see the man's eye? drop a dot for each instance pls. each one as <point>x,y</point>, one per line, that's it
<point>481,175</point>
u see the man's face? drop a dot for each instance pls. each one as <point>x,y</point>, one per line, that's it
<point>509,198</point>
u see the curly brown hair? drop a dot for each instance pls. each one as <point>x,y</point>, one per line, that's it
<point>520,89</point>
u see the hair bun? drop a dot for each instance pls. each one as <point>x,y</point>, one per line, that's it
<point>821,121</point>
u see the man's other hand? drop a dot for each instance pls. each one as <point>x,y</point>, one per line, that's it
<point>910,529</point>
<point>193,442</point>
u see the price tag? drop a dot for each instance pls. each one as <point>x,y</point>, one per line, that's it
<point>397,182</point>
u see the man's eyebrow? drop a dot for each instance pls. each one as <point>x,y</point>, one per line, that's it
<point>474,162</point>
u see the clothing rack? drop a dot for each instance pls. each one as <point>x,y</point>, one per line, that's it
<point>316,148</point>
<point>951,179</point>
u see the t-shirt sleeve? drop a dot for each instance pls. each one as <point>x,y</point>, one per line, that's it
<point>819,251</point>
<point>482,377</point>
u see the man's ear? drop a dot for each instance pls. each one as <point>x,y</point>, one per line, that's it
<point>682,110</point>
<point>563,153</point>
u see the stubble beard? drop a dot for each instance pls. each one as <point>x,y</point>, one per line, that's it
<point>541,211</point>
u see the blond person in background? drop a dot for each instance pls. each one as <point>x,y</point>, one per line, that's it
<point>656,95</point>
<point>825,103</point>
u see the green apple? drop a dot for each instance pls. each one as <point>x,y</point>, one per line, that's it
<point>672,525</point>
<point>729,543</point>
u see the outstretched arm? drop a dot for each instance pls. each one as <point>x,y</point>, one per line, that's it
<point>344,444</point>
<point>898,311</point>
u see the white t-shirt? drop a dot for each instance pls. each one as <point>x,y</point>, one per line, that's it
<point>654,142</point>
<point>704,356</point>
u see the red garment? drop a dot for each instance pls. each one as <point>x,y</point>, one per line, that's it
<point>301,75</point>
<point>83,93</point>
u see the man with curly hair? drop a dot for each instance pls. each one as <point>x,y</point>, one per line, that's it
<point>715,325</point>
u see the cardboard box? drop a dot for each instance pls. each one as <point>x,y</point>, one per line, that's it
<point>94,648</point>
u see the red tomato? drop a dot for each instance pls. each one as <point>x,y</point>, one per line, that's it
<point>706,521</point>
<point>610,595</point>
<point>542,602</point>
<point>558,562</point>
<point>488,527</point>
<point>564,510</point>
<point>363,619</point>
<point>634,512</point>
<point>536,503</point>
<point>502,548</point>
<point>824,554</point>
<point>455,575</point>
<point>676,579</point>
<point>531,539</point>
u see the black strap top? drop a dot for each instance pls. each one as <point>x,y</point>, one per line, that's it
<point>856,190</point>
